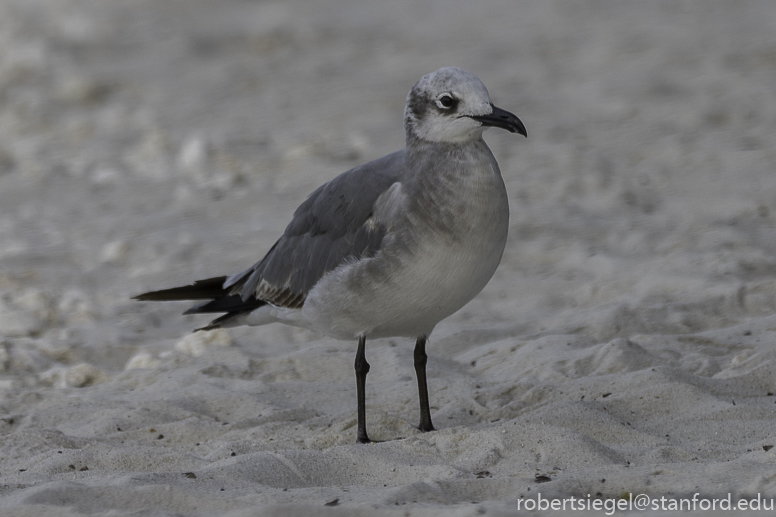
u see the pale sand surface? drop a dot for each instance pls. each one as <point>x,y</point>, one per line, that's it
<point>627,343</point>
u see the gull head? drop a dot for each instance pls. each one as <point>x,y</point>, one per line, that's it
<point>453,106</point>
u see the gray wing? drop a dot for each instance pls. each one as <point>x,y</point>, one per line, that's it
<point>331,227</point>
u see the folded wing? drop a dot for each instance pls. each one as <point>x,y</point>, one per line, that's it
<point>334,225</point>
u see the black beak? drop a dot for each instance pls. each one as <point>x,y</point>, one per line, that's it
<point>503,119</point>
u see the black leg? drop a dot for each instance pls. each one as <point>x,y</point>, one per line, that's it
<point>420,370</point>
<point>362,368</point>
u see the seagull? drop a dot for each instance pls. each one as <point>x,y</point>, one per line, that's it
<point>389,248</point>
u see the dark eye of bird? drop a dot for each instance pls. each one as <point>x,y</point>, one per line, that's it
<point>446,101</point>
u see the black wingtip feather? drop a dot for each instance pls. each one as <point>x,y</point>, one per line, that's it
<point>209,326</point>
<point>230,304</point>
<point>216,323</point>
<point>212,290</point>
<point>200,290</point>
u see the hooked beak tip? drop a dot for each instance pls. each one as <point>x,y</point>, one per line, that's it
<point>503,119</point>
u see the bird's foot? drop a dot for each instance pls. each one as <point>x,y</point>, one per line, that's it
<point>363,438</point>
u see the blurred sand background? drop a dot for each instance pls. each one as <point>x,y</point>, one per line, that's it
<point>627,343</point>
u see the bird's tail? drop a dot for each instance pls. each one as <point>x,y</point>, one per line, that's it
<point>211,289</point>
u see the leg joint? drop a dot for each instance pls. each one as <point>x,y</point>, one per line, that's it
<point>420,353</point>
<point>361,365</point>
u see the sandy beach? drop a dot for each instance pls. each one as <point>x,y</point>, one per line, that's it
<point>625,347</point>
